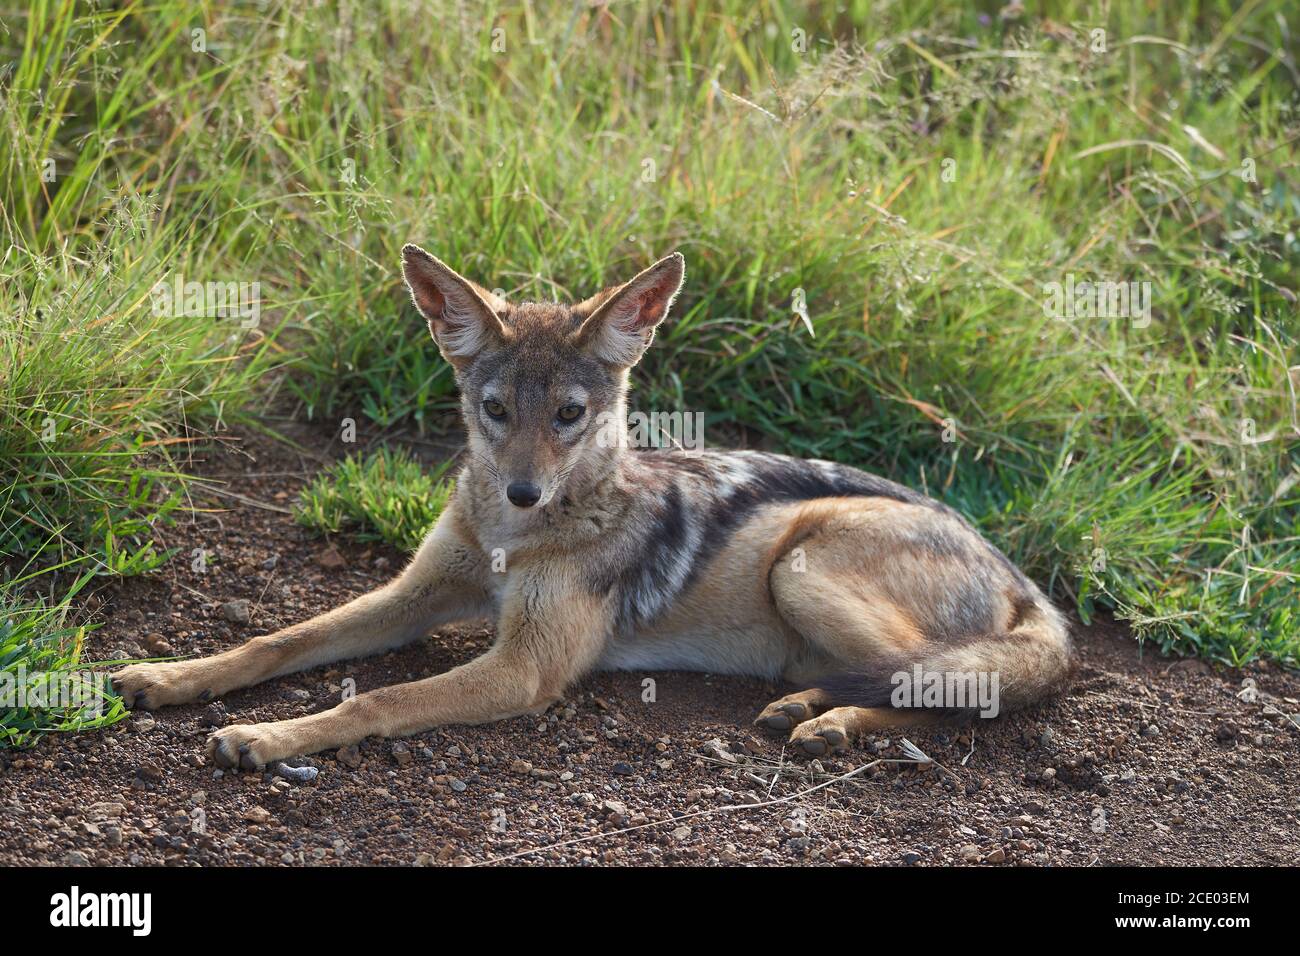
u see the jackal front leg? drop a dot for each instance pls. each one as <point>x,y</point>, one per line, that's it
<point>546,639</point>
<point>443,583</point>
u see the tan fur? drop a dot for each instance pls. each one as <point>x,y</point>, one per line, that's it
<point>833,731</point>
<point>797,590</point>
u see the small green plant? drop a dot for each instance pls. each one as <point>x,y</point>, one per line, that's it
<point>44,685</point>
<point>387,496</point>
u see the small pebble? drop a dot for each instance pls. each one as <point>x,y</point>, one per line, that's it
<point>237,612</point>
<point>296,774</point>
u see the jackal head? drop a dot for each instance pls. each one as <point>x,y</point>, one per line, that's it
<point>542,385</point>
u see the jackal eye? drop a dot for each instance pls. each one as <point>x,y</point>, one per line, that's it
<point>570,413</point>
<point>494,409</point>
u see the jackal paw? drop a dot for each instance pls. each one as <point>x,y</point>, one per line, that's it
<point>149,686</point>
<point>784,714</point>
<point>247,746</point>
<point>821,736</point>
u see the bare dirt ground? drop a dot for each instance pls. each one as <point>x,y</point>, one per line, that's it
<point>1142,760</point>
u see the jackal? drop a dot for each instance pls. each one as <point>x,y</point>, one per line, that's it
<point>590,555</point>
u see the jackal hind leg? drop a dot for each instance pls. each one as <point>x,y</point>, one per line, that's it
<point>834,599</point>
<point>784,714</point>
<point>836,730</point>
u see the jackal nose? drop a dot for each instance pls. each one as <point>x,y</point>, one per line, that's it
<point>525,494</point>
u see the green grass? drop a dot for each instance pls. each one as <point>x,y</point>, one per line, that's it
<point>98,389</point>
<point>386,496</point>
<point>44,684</point>
<point>913,173</point>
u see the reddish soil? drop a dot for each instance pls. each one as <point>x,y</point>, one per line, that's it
<point>1141,760</point>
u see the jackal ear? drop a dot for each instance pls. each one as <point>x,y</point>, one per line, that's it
<point>621,323</point>
<point>463,317</point>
